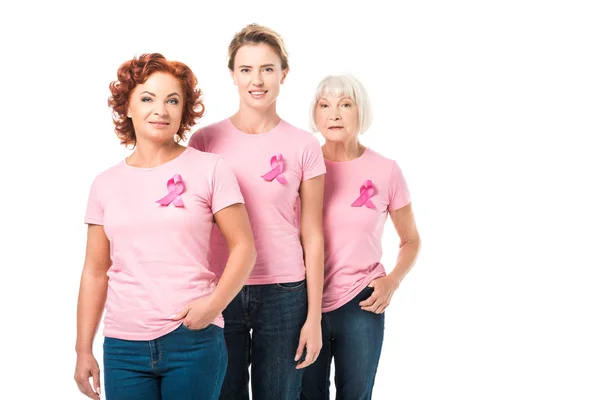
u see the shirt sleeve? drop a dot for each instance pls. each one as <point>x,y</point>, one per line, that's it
<point>94,213</point>
<point>196,141</point>
<point>226,190</point>
<point>312,160</point>
<point>398,190</point>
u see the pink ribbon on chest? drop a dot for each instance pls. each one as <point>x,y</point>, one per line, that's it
<point>367,190</point>
<point>276,171</point>
<point>175,186</point>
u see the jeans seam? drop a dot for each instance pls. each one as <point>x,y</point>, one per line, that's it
<point>215,387</point>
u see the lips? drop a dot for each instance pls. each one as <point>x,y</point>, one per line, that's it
<point>335,128</point>
<point>159,123</point>
<point>258,94</point>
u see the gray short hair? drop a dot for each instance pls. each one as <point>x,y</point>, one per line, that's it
<point>339,86</point>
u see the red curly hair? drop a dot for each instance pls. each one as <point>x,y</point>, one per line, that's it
<point>136,71</point>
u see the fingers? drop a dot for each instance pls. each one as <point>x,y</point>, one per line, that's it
<point>381,308</point>
<point>373,303</point>
<point>370,301</point>
<point>181,314</point>
<point>96,381</point>
<point>312,353</point>
<point>300,348</point>
<point>84,386</point>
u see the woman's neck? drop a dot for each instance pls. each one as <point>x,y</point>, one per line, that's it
<point>252,121</point>
<point>150,155</point>
<point>343,151</point>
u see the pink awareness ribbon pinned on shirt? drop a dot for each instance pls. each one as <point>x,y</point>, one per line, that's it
<point>367,190</point>
<point>175,186</point>
<point>277,170</point>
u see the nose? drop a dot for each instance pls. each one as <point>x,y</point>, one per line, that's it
<point>160,109</point>
<point>335,115</point>
<point>257,79</point>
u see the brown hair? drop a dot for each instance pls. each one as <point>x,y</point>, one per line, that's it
<point>256,34</point>
<point>136,71</point>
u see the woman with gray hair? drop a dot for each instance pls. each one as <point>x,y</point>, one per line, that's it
<point>361,188</point>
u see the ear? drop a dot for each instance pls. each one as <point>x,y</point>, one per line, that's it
<point>233,77</point>
<point>284,75</point>
<point>128,112</point>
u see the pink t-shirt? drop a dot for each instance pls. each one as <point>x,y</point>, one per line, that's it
<point>354,214</point>
<point>272,201</point>
<point>159,252</point>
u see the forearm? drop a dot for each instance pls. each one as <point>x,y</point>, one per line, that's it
<point>90,305</point>
<point>237,270</point>
<point>406,259</point>
<point>314,260</point>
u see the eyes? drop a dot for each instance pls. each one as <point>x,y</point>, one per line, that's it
<point>345,104</point>
<point>173,101</point>
<point>266,69</point>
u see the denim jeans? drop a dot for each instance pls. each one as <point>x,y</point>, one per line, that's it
<point>353,338</point>
<point>182,365</point>
<point>262,329</point>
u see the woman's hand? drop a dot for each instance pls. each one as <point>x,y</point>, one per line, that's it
<point>86,368</point>
<point>198,314</point>
<point>310,337</point>
<point>384,289</point>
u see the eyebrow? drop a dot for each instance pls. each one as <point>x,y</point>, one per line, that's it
<point>262,66</point>
<point>152,94</point>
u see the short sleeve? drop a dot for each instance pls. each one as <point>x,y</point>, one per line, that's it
<point>94,213</point>
<point>312,160</point>
<point>196,141</point>
<point>225,188</point>
<point>398,190</point>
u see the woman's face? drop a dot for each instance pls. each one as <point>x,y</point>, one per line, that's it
<point>156,107</point>
<point>257,73</point>
<point>337,118</point>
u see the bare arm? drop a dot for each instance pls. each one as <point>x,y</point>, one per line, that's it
<point>311,237</point>
<point>410,243</point>
<point>92,297</point>
<point>235,227</point>
<point>93,287</point>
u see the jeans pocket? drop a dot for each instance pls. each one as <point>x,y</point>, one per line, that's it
<point>291,286</point>
<point>195,330</point>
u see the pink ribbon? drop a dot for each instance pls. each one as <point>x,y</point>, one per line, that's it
<point>367,190</point>
<point>277,169</point>
<point>175,187</point>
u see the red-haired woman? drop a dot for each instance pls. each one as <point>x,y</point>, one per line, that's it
<point>149,223</point>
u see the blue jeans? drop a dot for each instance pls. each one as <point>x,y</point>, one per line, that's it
<point>275,314</point>
<point>353,338</point>
<point>182,365</point>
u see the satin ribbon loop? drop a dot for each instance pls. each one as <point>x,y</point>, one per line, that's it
<point>276,171</point>
<point>367,190</point>
<point>176,187</point>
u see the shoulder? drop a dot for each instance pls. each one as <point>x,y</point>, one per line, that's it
<point>376,158</point>
<point>211,130</point>
<point>202,159</point>
<point>300,135</point>
<point>108,176</point>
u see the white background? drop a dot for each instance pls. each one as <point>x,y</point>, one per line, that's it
<point>490,108</point>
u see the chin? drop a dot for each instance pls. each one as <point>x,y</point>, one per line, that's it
<point>335,137</point>
<point>161,137</point>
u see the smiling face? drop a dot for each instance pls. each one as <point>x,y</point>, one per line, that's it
<point>337,118</point>
<point>155,108</point>
<point>257,73</point>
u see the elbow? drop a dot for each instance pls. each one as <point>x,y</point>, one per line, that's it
<point>314,237</point>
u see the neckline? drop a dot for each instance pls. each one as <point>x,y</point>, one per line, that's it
<point>275,128</point>
<point>327,161</point>
<point>132,168</point>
